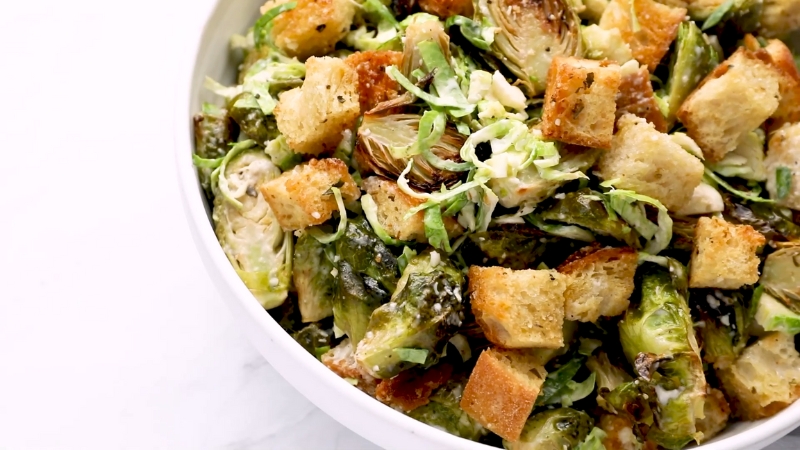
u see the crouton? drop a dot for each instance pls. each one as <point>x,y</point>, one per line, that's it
<point>765,379</point>
<point>501,391</point>
<point>300,198</point>
<point>580,100</point>
<point>716,411</point>
<point>447,8</point>
<point>779,17</point>
<point>636,97</point>
<point>412,388</point>
<point>341,360</point>
<point>314,116</point>
<point>783,155</point>
<point>733,100</point>
<point>374,85</point>
<point>518,308</point>
<point>312,28</point>
<point>724,255</point>
<point>619,433</point>
<point>599,283</point>
<point>393,205</point>
<point>658,27</point>
<point>789,84</point>
<point>651,163</point>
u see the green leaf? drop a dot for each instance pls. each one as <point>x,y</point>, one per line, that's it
<point>783,180</point>
<point>718,14</point>
<point>435,230</point>
<point>471,31</point>
<point>412,355</point>
<point>321,236</point>
<point>204,163</point>
<point>559,386</point>
<point>402,260</point>
<point>263,25</point>
<point>743,194</point>
<point>594,441</point>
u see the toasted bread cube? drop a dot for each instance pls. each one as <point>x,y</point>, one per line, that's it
<point>636,97</point>
<point>765,379</point>
<point>580,100</point>
<point>447,8</point>
<point>724,254</point>
<point>518,308</point>
<point>789,83</point>
<point>650,163</point>
<point>300,198</point>
<point>412,388</point>
<point>501,391</point>
<point>733,100</point>
<point>619,433</point>
<point>312,28</point>
<point>658,27</point>
<point>374,84</point>
<point>341,360</point>
<point>784,154</point>
<point>314,116</point>
<point>393,205</point>
<point>599,283</point>
<point>779,18</point>
<point>716,411</point>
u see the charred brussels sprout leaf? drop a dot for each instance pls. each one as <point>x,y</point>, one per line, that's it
<point>692,60</point>
<point>725,323</point>
<point>607,375</point>
<point>515,247</point>
<point>560,387</point>
<point>768,219</point>
<point>367,254</point>
<point>313,279</point>
<point>587,210</point>
<point>444,412</point>
<point>247,113</point>
<point>631,400</point>
<point>259,250</point>
<point>355,299</point>
<point>781,277</point>
<point>213,131</point>
<point>424,313</point>
<point>314,339</point>
<point>529,34</point>
<point>594,441</point>
<point>555,429</point>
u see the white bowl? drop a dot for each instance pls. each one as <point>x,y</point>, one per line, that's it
<point>207,54</point>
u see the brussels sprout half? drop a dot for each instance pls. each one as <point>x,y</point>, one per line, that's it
<point>781,276</point>
<point>313,278</point>
<point>555,429</point>
<point>529,33</point>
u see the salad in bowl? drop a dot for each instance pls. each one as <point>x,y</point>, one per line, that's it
<point>531,224</point>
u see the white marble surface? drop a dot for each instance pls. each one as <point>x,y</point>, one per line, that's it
<point>110,335</point>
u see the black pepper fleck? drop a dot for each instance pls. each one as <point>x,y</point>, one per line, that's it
<point>321,27</point>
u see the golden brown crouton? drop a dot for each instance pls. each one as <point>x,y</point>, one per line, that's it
<point>447,8</point>
<point>784,155</point>
<point>636,97</point>
<point>658,27</point>
<point>393,204</point>
<point>300,198</point>
<point>789,107</point>
<point>779,17</point>
<point>374,85</point>
<point>341,360</point>
<point>716,411</point>
<point>312,28</point>
<point>314,116</point>
<point>650,163</point>
<point>580,100</point>
<point>501,392</point>
<point>733,100</point>
<point>619,433</point>
<point>724,254</point>
<point>518,308</point>
<point>412,388</point>
<point>599,283</point>
<point>765,379</point>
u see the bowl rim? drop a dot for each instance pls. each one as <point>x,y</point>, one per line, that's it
<point>342,397</point>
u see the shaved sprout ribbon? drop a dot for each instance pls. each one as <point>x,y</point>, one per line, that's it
<point>327,238</point>
<point>222,182</point>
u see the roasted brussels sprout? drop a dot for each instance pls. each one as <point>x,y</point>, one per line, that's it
<point>255,244</point>
<point>414,327</point>
<point>314,339</point>
<point>746,161</point>
<point>512,246</point>
<point>213,132</point>
<point>367,254</point>
<point>724,331</point>
<point>607,375</point>
<point>313,278</point>
<point>692,60</point>
<point>768,219</point>
<point>444,412</point>
<point>529,34</point>
<point>586,209</point>
<point>252,121</point>
<point>781,276</point>
<point>560,387</point>
<point>386,143</point>
<point>555,429</point>
<point>773,315</point>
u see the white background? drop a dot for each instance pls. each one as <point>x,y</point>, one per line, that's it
<point>110,334</point>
